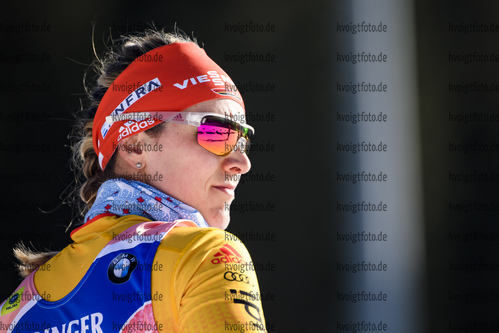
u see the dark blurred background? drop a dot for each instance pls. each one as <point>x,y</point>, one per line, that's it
<point>457,50</point>
<point>41,88</point>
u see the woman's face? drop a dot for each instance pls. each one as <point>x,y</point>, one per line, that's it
<point>192,174</point>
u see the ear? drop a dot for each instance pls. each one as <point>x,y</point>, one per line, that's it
<point>130,151</point>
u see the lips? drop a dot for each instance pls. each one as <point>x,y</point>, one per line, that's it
<point>226,188</point>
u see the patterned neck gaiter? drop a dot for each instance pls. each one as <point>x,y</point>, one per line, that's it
<point>129,197</point>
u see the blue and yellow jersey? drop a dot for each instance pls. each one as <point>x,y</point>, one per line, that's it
<point>128,274</point>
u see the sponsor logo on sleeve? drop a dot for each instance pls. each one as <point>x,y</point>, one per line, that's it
<point>238,277</point>
<point>227,254</point>
<point>247,299</point>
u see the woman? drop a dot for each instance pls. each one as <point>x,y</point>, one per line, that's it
<point>164,132</point>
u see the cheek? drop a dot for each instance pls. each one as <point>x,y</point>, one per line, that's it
<point>186,167</point>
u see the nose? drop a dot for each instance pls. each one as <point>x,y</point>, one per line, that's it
<point>237,162</point>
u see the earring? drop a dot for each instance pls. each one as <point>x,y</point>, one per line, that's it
<point>139,165</point>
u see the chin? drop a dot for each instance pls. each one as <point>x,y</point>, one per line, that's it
<point>218,219</point>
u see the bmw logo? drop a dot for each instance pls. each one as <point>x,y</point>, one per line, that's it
<point>121,267</point>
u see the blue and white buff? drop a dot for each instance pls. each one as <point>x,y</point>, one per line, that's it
<point>129,197</point>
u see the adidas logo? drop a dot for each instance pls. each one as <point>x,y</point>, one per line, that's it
<point>178,118</point>
<point>227,254</point>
